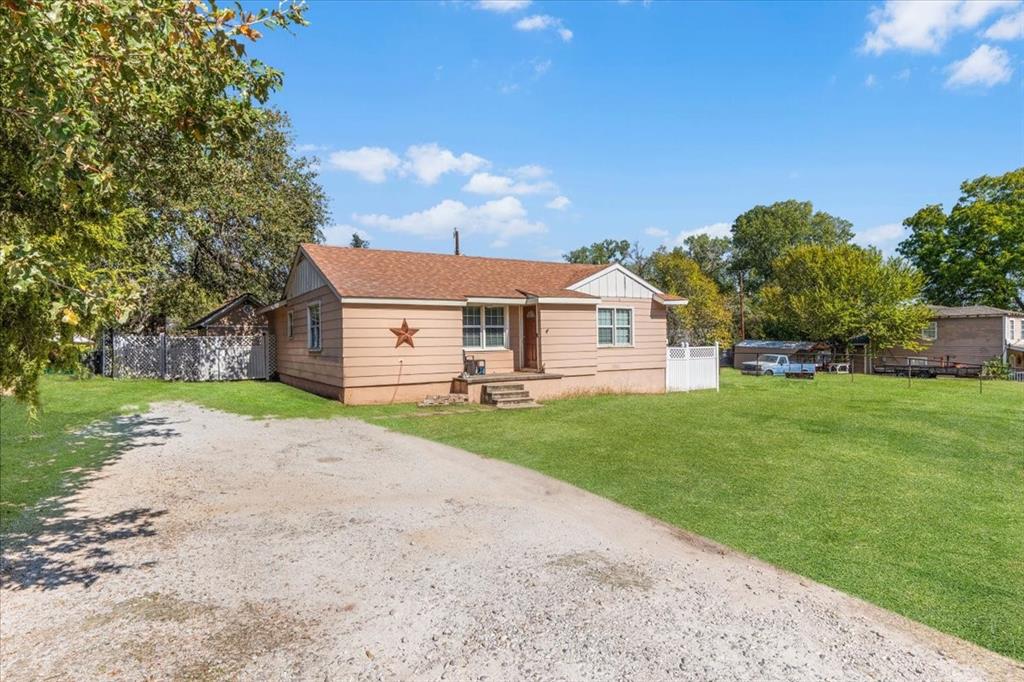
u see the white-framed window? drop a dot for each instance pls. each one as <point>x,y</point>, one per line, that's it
<point>291,324</point>
<point>931,331</point>
<point>484,327</point>
<point>313,326</point>
<point>1013,328</point>
<point>615,326</point>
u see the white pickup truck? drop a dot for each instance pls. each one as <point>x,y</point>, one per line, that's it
<point>776,365</point>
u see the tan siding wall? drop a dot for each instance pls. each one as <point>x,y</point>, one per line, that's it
<point>649,337</point>
<point>371,358</point>
<point>498,361</point>
<point>568,339</point>
<point>293,358</point>
<point>969,340</point>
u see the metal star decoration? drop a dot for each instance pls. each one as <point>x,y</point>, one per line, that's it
<point>404,334</point>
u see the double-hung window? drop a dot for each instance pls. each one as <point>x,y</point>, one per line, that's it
<point>615,326</point>
<point>483,327</point>
<point>931,332</point>
<point>313,326</point>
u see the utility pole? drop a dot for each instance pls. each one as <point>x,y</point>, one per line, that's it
<point>743,328</point>
<point>456,231</point>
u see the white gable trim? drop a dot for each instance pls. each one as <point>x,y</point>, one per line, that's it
<point>584,284</point>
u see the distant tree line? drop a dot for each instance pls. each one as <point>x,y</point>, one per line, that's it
<point>789,271</point>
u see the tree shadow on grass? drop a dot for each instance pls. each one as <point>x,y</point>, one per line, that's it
<point>53,545</point>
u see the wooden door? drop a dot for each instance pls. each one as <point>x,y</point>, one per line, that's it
<point>530,337</point>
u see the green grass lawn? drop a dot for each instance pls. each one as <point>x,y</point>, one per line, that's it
<point>911,497</point>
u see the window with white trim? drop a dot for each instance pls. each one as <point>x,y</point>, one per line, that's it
<point>1013,333</point>
<point>931,332</point>
<point>291,324</point>
<point>484,327</point>
<point>313,326</point>
<point>615,326</point>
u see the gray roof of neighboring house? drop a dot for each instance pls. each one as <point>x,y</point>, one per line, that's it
<point>971,311</point>
<point>776,345</point>
<point>208,319</point>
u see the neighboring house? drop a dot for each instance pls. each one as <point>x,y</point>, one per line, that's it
<point>373,326</point>
<point>967,335</point>
<point>237,316</point>
<point>798,351</point>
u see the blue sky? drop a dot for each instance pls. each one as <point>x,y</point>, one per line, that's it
<point>537,127</point>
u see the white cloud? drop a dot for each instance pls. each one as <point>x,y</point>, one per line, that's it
<point>370,163</point>
<point>925,25</point>
<point>713,230</point>
<point>541,67</point>
<point>559,203</point>
<point>531,171</point>
<point>308,148</point>
<point>870,81</point>
<point>486,183</point>
<point>544,22</point>
<point>885,237</point>
<point>1010,27</point>
<point>656,232</point>
<point>986,66</point>
<point>502,6</point>
<point>341,234</point>
<point>903,75</point>
<point>504,218</point>
<point>428,162</point>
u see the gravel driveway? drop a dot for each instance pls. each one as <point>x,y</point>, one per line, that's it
<point>220,547</point>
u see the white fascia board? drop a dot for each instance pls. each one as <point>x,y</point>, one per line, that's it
<point>612,268</point>
<point>352,300</point>
<point>567,300</point>
<point>495,300</point>
<point>672,303</point>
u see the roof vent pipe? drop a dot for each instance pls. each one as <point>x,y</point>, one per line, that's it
<point>456,232</point>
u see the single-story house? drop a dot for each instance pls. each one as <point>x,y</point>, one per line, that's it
<point>749,350</point>
<point>376,326</point>
<point>237,316</point>
<point>965,335</point>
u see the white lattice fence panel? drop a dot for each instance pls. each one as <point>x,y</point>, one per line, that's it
<point>136,356</point>
<point>691,368</point>
<point>191,358</point>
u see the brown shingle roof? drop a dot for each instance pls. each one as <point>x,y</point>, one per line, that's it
<point>970,311</point>
<point>377,273</point>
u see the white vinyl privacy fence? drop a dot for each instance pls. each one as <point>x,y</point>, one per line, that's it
<point>189,358</point>
<point>691,368</point>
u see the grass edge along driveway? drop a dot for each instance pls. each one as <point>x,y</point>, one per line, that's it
<point>911,497</point>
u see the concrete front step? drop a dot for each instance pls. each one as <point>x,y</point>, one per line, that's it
<point>507,396</point>
<point>501,388</point>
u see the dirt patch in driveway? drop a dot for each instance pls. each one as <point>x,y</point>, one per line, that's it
<point>241,549</point>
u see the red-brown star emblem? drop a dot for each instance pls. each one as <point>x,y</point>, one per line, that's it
<point>404,334</point>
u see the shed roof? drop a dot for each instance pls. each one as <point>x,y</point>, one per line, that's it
<point>971,311</point>
<point>379,273</point>
<point>763,344</point>
<point>220,312</point>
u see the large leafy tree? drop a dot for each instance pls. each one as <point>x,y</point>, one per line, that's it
<point>606,251</point>
<point>713,255</point>
<point>763,233</point>
<point>974,255</point>
<point>228,225</point>
<point>706,318</point>
<point>100,102</point>
<point>835,293</point>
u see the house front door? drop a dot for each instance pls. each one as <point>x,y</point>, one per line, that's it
<point>530,337</point>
